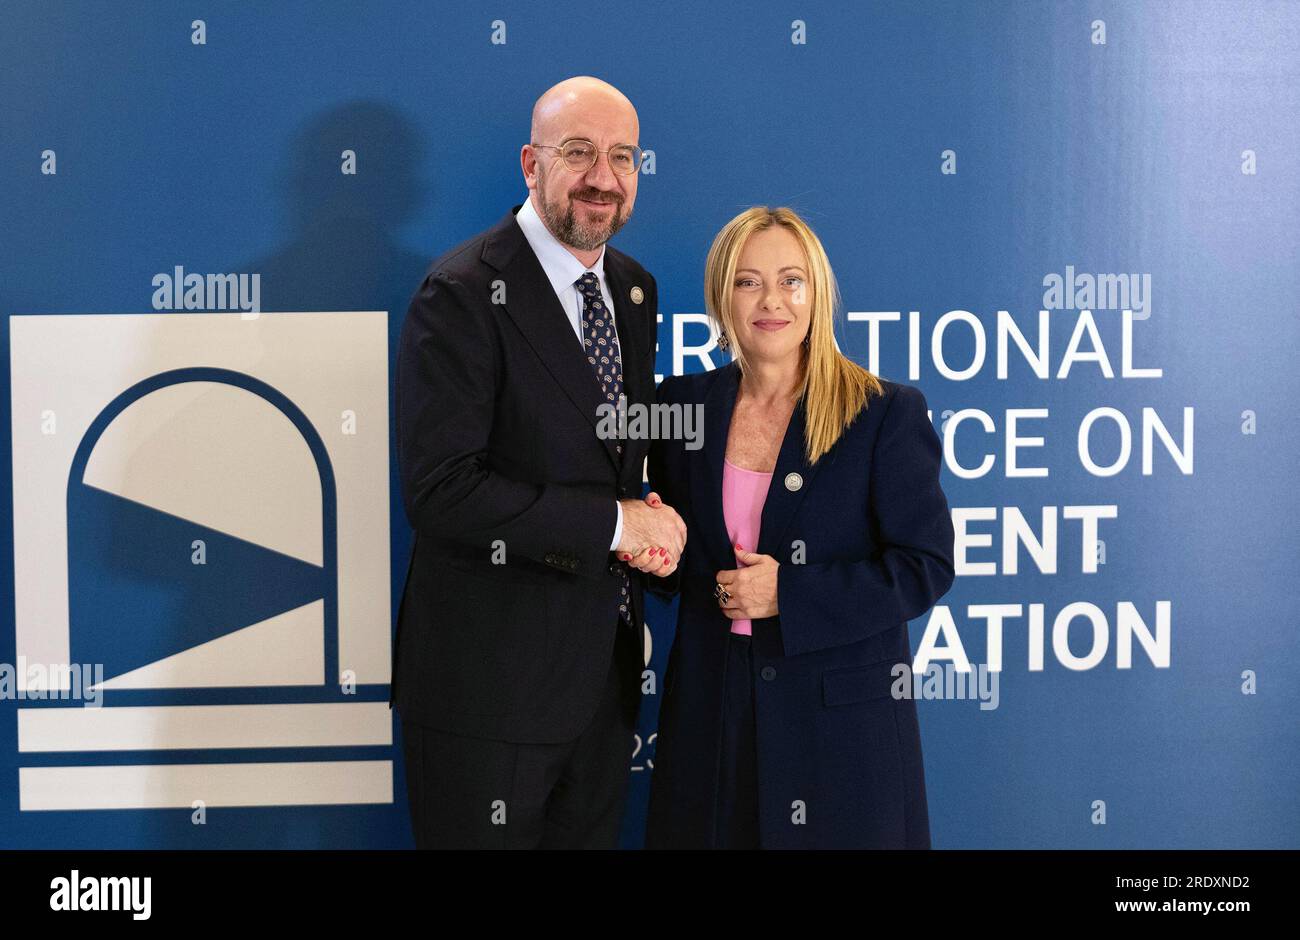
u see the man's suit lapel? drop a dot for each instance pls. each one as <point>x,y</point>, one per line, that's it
<point>531,303</point>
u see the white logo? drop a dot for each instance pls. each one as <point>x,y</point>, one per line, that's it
<point>201,506</point>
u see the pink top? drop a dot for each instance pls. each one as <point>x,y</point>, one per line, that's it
<point>743,494</point>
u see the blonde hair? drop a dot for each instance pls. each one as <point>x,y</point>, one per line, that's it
<point>833,388</point>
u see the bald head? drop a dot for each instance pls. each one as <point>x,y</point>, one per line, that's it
<point>583,208</point>
<point>577,106</point>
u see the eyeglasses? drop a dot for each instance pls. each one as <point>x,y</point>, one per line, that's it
<point>580,156</point>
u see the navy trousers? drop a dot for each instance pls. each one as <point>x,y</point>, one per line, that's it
<point>737,810</point>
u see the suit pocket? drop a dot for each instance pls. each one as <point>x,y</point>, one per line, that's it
<point>849,684</point>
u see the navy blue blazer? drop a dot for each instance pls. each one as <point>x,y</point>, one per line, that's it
<point>835,749</point>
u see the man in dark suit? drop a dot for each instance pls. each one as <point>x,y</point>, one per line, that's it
<point>519,650</point>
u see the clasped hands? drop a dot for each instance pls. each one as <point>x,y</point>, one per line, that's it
<point>653,539</point>
<point>653,535</point>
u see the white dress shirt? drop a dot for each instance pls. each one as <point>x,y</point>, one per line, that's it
<point>563,270</point>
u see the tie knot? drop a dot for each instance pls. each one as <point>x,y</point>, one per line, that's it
<point>588,284</point>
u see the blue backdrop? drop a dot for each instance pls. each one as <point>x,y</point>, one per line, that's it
<point>951,156</point>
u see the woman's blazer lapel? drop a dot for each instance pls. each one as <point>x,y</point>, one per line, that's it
<point>783,496</point>
<point>790,482</point>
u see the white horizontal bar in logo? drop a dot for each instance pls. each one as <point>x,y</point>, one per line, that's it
<point>161,727</point>
<point>176,786</point>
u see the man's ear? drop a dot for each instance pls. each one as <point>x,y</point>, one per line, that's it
<point>528,164</point>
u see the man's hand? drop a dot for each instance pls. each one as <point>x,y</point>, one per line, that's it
<point>653,536</point>
<point>752,588</point>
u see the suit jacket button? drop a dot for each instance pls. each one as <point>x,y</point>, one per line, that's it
<point>768,673</point>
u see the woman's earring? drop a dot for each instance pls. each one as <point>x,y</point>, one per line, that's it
<point>724,342</point>
<point>807,337</point>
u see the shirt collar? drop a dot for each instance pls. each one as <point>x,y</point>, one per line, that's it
<point>561,267</point>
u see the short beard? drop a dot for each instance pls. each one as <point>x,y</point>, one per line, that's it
<point>565,226</point>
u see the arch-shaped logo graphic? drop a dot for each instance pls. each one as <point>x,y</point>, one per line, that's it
<point>201,511</point>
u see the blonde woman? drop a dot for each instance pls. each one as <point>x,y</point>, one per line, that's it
<point>817,529</point>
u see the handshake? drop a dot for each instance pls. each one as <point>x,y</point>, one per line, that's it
<point>653,535</point>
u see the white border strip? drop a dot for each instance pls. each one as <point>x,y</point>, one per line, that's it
<point>175,786</point>
<point>148,728</point>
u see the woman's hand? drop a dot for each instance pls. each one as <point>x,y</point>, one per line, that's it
<point>655,559</point>
<point>752,588</point>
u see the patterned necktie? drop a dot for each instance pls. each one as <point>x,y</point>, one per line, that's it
<point>600,343</point>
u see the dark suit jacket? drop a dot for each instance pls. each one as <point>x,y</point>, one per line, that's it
<point>877,538</point>
<point>496,415</point>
